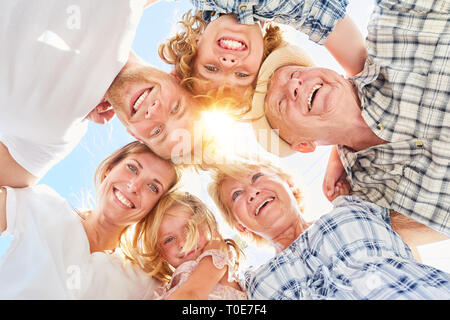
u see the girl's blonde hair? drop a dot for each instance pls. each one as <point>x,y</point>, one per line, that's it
<point>111,161</point>
<point>181,49</point>
<point>143,246</point>
<point>239,169</point>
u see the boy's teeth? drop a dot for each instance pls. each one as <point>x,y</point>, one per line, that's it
<point>123,199</point>
<point>231,44</point>
<point>316,87</point>
<point>141,99</point>
<point>262,204</point>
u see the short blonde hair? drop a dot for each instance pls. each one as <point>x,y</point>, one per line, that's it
<point>237,170</point>
<point>143,245</point>
<point>181,49</point>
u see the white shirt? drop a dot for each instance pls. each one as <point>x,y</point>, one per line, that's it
<point>49,255</point>
<point>58,59</point>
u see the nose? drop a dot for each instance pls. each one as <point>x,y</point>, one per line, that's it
<point>253,193</point>
<point>293,87</point>
<point>228,61</point>
<point>132,186</point>
<point>153,108</point>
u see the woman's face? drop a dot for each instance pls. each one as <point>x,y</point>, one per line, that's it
<point>172,236</point>
<point>133,187</point>
<point>229,52</point>
<point>261,202</point>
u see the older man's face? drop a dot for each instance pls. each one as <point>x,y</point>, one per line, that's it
<point>155,109</point>
<point>307,103</point>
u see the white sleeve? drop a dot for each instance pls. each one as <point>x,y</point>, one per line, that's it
<point>38,158</point>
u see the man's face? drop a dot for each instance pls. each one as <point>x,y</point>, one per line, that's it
<point>155,109</point>
<point>308,104</point>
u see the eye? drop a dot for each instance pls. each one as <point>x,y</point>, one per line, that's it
<point>153,188</point>
<point>175,108</point>
<point>169,240</point>
<point>211,68</point>
<point>156,131</point>
<point>241,74</point>
<point>292,75</point>
<point>235,195</point>
<point>256,176</point>
<point>132,168</point>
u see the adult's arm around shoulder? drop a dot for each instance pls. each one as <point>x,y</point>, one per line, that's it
<point>2,209</point>
<point>11,173</point>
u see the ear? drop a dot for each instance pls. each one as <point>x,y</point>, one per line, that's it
<point>133,135</point>
<point>102,113</point>
<point>240,227</point>
<point>304,147</point>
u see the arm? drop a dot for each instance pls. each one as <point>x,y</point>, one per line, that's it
<point>412,232</point>
<point>2,209</point>
<point>335,182</point>
<point>346,44</point>
<point>198,286</point>
<point>11,173</point>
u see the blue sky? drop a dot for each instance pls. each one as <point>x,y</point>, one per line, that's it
<point>73,176</point>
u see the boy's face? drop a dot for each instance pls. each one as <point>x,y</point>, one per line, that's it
<point>229,52</point>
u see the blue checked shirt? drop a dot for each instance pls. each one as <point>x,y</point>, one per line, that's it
<point>405,99</point>
<point>316,18</point>
<point>350,253</point>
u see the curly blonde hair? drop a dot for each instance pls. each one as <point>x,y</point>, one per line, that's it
<point>143,248</point>
<point>238,169</point>
<point>181,49</point>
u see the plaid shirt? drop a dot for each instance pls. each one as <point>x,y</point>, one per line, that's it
<point>316,18</point>
<point>405,92</point>
<point>350,253</point>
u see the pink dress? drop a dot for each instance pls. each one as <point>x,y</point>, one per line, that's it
<point>219,292</point>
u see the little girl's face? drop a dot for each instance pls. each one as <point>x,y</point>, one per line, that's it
<point>229,52</point>
<point>171,235</point>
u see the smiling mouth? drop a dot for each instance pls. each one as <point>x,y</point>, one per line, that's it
<point>312,95</point>
<point>232,44</point>
<point>139,100</point>
<point>262,205</point>
<point>122,199</point>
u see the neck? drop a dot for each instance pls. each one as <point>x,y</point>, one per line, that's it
<point>102,236</point>
<point>285,238</point>
<point>358,135</point>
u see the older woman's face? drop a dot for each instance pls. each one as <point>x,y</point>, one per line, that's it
<point>133,187</point>
<point>262,202</point>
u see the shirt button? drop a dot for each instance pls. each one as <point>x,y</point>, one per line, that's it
<point>380,126</point>
<point>419,144</point>
<point>243,8</point>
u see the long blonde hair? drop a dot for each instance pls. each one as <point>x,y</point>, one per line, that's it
<point>143,246</point>
<point>239,169</point>
<point>115,158</point>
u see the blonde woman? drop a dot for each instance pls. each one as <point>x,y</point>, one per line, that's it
<point>351,252</point>
<point>179,243</point>
<point>60,253</point>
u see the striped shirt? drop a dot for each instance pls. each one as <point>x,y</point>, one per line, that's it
<point>350,253</point>
<point>316,18</point>
<point>405,99</point>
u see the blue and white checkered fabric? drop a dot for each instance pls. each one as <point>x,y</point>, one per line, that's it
<point>316,18</point>
<point>350,253</point>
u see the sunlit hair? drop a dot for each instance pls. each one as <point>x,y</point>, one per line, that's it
<point>123,153</point>
<point>143,246</point>
<point>239,169</point>
<point>180,50</point>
